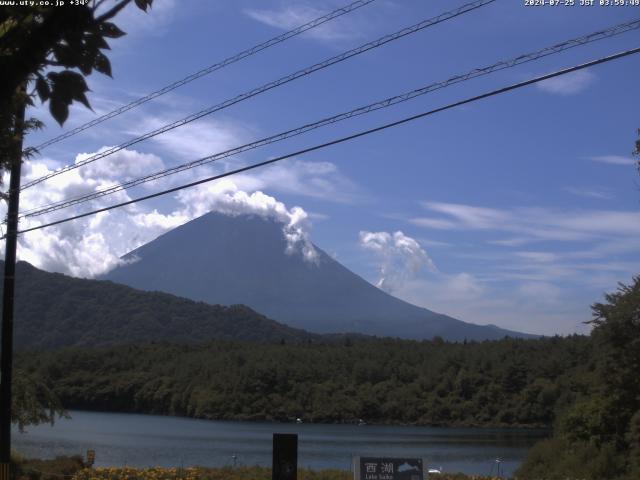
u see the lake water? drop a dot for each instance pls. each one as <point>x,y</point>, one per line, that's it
<point>148,440</point>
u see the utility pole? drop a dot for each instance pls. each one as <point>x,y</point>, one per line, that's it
<point>6,356</point>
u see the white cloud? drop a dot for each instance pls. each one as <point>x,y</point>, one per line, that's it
<point>533,305</point>
<point>400,257</point>
<point>540,293</point>
<point>292,16</point>
<point>590,193</point>
<point>533,224</point>
<point>185,143</point>
<point>193,140</point>
<point>607,248</point>
<point>436,223</point>
<point>63,248</point>
<point>582,253</point>
<point>321,180</point>
<point>89,246</point>
<point>434,243</point>
<point>544,257</point>
<point>224,196</point>
<point>596,222</point>
<point>317,179</point>
<point>122,165</point>
<point>568,84</point>
<point>93,245</point>
<point>510,242</point>
<point>441,291</point>
<point>614,160</point>
<point>470,216</point>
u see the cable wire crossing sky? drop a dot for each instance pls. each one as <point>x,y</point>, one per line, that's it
<point>477,72</point>
<point>341,140</point>
<point>521,210</point>
<point>210,69</point>
<point>274,84</point>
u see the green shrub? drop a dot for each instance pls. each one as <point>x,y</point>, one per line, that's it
<point>34,469</point>
<point>559,459</point>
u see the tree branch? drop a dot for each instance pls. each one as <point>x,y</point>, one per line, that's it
<point>113,12</point>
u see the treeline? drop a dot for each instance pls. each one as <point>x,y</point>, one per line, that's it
<point>506,382</point>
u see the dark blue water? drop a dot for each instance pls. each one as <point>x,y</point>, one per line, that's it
<point>147,440</point>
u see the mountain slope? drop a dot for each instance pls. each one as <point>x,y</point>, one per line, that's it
<point>54,311</point>
<point>229,260</point>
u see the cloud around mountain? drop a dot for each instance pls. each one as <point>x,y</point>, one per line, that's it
<point>92,246</point>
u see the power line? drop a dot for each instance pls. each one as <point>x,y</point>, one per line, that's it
<point>276,83</point>
<point>210,69</point>
<point>344,139</point>
<point>524,58</point>
<point>609,32</point>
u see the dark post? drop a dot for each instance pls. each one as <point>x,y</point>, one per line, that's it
<point>285,456</point>
<point>6,357</point>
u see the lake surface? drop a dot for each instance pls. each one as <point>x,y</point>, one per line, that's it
<point>149,440</point>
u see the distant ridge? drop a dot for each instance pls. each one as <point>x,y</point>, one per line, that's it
<point>54,311</point>
<point>221,259</point>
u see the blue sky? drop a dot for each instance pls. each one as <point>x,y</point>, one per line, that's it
<point>519,210</point>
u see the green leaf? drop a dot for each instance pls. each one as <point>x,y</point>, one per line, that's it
<point>59,110</point>
<point>144,4</point>
<point>67,86</point>
<point>108,29</point>
<point>73,79</point>
<point>67,56</point>
<point>86,63</point>
<point>82,98</point>
<point>78,58</point>
<point>42,87</point>
<point>97,41</point>
<point>101,63</point>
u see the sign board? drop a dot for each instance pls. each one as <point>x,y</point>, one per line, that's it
<point>388,468</point>
<point>285,456</point>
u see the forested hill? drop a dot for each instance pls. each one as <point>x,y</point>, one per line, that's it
<point>506,382</point>
<point>54,311</point>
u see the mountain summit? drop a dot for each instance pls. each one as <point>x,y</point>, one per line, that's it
<point>228,260</point>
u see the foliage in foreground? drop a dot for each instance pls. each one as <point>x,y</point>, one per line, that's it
<point>67,43</point>
<point>225,473</point>
<point>73,468</point>
<point>33,402</point>
<point>54,469</point>
<point>599,436</point>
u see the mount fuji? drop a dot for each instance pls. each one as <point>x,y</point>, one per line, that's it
<point>221,259</point>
